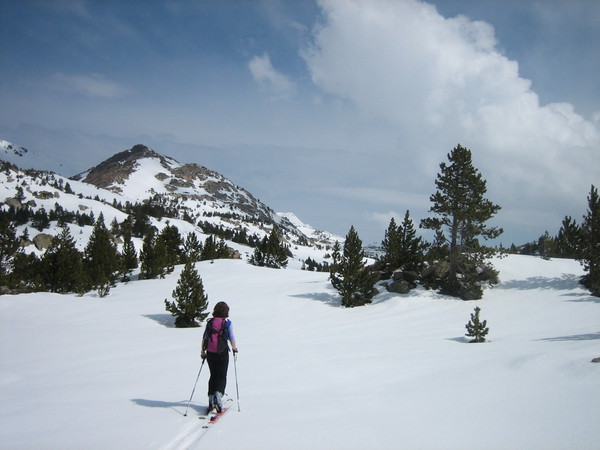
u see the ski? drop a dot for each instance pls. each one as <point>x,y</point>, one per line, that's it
<point>211,418</point>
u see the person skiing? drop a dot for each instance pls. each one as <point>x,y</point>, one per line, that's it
<point>215,350</point>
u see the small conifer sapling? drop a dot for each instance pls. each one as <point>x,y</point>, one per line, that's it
<point>476,328</point>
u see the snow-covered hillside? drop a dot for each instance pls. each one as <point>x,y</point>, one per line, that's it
<point>200,196</point>
<point>13,153</point>
<point>97,373</point>
<point>25,158</point>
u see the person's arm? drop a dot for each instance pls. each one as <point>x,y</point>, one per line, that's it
<point>203,351</point>
<point>232,337</point>
<point>204,346</point>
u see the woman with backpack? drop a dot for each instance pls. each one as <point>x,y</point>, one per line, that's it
<point>215,350</point>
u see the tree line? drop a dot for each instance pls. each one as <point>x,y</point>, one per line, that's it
<point>63,268</point>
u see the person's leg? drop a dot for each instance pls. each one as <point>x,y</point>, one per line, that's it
<point>221,366</point>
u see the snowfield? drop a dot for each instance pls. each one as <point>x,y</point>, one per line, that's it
<point>114,373</point>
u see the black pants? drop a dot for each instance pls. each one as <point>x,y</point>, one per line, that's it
<point>218,364</point>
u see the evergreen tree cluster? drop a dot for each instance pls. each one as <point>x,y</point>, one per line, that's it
<point>456,262</point>
<point>40,219</point>
<point>271,252</point>
<point>63,268</point>
<point>239,236</point>
<point>403,249</point>
<point>161,252</point>
<point>313,266</point>
<point>574,241</point>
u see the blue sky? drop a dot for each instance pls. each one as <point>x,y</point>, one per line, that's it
<point>340,111</point>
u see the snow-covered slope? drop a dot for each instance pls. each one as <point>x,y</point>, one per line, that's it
<point>24,158</point>
<point>86,372</point>
<point>14,154</point>
<point>323,237</point>
<point>203,200</point>
<point>140,173</point>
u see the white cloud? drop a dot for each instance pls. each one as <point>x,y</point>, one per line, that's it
<point>441,81</point>
<point>268,78</point>
<point>93,85</point>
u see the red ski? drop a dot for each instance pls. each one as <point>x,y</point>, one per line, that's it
<point>210,419</point>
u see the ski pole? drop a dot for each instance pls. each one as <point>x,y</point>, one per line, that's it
<point>237,389</point>
<point>188,405</point>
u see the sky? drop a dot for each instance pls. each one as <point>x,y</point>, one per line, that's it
<point>338,111</point>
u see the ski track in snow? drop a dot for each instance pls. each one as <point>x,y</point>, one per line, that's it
<point>190,435</point>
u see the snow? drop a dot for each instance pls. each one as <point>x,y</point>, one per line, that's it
<point>309,231</point>
<point>143,180</point>
<point>113,372</point>
<point>25,158</point>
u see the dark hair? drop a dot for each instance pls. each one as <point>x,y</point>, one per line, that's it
<point>221,310</point>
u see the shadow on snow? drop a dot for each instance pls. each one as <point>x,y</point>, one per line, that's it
<point>323,297</point>
<point>178,407</point>
<point>166,320</point>
<point>564,282</point>
<point>575,337</point>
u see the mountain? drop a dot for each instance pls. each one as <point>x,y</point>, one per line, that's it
<point>141,174</point>
<point>190,196</point>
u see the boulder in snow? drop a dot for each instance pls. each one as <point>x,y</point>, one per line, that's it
<point>42,241</point>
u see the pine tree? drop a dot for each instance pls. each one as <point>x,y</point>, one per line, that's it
<point>271,252</point>
<point>568,240</point>
<point>209,250</point>
<point>152,256</point>
<point>590,250</point>
<point>336,258</point>
<point>439,248</point>
<point>546,246</point>
<point>161,258</point>
<point>115,229</point>
<point>27,271</point>
<point>170,239</point>
<point>62,265</point>
<point>129,255</point>
<point>475,328</point>
<point>411,248</point>
<point>40,220</point>
<point>192,248</point>
<point>391,245</point>
<point>20,194</point>
<point>190,301</point>
<point>349,275</point>
<point>462,211</point>
<point>101,258</point>
<point>222,249</point>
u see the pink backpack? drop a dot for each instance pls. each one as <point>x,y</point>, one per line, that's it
<point>215,335</point>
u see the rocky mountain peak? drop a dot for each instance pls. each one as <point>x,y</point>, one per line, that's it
<point>117,169</point>
<point>141,173</point>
